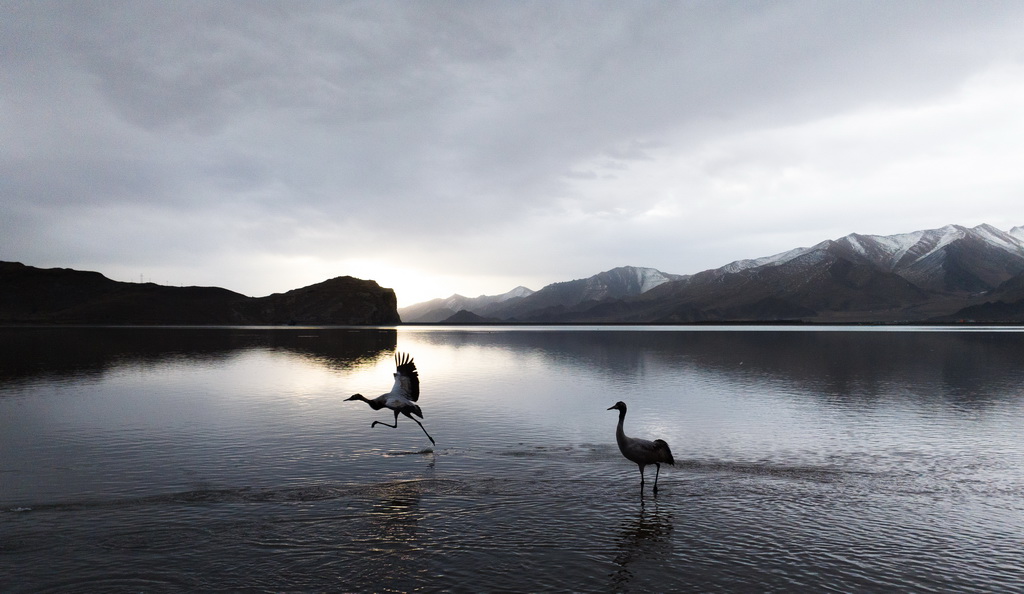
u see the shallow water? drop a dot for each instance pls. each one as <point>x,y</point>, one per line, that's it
<point>168,459</point>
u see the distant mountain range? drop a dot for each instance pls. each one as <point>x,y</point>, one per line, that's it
<point>941,275</point>
<point>522,302</point>
<point>30,295</point>
<point>437,310</point>
<point>952,274</point>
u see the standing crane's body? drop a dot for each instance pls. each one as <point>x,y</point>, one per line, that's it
<point>403,395</point>
<point>641,451</point>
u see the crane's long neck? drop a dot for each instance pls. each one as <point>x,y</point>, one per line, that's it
<point>620,435</point>
<point>375,404</point>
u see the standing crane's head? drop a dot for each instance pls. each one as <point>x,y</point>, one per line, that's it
<point>620,405</point>
<point>355,397</point>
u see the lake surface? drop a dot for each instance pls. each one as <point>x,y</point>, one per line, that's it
<point>226,459</point>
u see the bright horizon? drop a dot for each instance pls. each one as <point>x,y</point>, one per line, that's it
<point>440,148</point>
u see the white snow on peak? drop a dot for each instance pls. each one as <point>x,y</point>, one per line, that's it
<point>856,244</point>
<point>648,278</point>
<point>998,238</point>
<point>892,249</point>
<point>519,291</point>
<point>454,302</point>
<point>775,260</point>
<point>895,246</point>
<point>950,233</point>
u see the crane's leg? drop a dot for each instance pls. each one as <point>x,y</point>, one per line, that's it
<point>641,477</point>
<point>395,426</point>
<point>656,473</point>
<point>418,423</point>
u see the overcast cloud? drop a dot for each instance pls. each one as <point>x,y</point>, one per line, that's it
<point>442,147</point>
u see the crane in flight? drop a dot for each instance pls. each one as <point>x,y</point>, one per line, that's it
<point>403,395</point>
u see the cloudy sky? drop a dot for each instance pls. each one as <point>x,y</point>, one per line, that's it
<point>470,147</point>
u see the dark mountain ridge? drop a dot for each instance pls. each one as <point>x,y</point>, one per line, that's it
<point>437,310</point>
<point>30,295</point>
<point>571,296</point>
<point>940,275</point>
<point>521,302</point>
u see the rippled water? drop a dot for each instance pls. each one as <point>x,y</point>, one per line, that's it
<point>199,459</point>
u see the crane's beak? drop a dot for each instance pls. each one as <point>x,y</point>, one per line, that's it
<point>612,407</point>
<point>353,397</point>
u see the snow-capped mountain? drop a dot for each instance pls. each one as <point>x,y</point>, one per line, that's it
<point>857,278</point>
<point>923,275</point>
<point>437,310</point>
<point>952,258</point>
<point>617,283</point>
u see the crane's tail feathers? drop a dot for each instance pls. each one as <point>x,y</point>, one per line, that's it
<point>662,446</point>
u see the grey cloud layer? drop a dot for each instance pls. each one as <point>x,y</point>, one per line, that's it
<point>298,126</point>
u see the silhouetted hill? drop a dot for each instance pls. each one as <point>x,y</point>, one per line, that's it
<point>30,295</point>
<point>467,317</point>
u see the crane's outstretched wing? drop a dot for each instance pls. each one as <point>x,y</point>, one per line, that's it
<point>407,380</point>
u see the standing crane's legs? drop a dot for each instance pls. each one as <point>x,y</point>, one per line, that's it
<point>657,471</point>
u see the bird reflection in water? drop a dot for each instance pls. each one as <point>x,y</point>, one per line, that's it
<point>644,540</point>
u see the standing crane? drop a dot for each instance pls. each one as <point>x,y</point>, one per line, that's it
<point>641,451</point>
<point>403,395</point>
